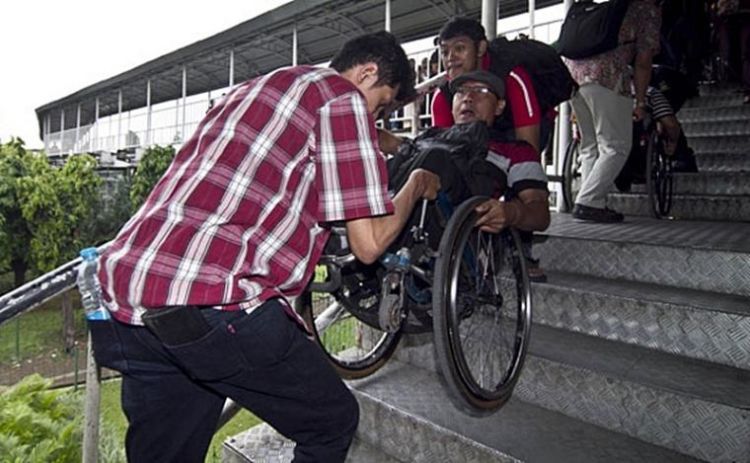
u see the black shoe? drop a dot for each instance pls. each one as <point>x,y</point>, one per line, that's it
<point>595,214</point>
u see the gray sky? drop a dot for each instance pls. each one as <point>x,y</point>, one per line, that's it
<point>50,49</point>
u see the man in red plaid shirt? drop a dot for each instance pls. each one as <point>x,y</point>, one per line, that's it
<point>229,234</point>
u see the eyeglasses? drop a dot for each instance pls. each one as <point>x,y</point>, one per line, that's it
<point>465,90</point>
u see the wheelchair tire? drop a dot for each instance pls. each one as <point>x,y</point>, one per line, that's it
<point>659,178</point>
<point>354,347</point>
<point>481,312</point>
<point>571,181</point>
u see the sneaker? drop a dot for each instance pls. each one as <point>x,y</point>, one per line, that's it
<point>595,214</point>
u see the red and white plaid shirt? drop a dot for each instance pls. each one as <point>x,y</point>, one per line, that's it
<point>236,219</point>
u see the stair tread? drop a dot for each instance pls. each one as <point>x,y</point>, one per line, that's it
<point>685,376</point>
<point>687,297</point>
<point>703,235</point>
<point>524,431</point>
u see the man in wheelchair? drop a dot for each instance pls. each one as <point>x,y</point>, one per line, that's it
<point>471,160</point>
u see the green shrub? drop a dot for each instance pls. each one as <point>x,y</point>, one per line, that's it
<point>38,424</point>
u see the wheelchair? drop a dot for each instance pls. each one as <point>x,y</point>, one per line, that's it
<point>659,177</point>
<point>468,287</point>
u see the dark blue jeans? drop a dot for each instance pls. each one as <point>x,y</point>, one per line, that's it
<point>173,395</point>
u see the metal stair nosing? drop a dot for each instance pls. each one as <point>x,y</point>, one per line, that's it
<point>707,183</point>
<point>698,324</point>
<point>714,114</point>
<point>518,431</point>
<point>263,444</point>
<point>679,254</point>
<point>693,407</point>
<point>733,208</point>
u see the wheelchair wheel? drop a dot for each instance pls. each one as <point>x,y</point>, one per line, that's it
<point>344,323</point>
<point>571,174</point>
<point>481,312</point>
<point>659,178</point>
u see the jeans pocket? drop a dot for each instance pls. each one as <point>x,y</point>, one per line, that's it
<point>265,335</point>
<point>107,344</point>
<point>213,357</point>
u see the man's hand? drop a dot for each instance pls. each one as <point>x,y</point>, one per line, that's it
<point>495,215</point>
<point>388,142</point>
<point>427,183</point>
<point>639,112</point>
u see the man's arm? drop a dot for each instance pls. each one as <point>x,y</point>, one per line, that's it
<point>641,78</point>
<point>369,237</point>
<point>529,134</point>
<point>529,211</point>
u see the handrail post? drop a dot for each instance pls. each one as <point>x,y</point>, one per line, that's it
<point>91,407</point>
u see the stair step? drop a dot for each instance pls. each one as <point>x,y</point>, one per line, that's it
<point>723,162</point>
<point>406,409</point>
<point>697,324</point>
<point>739,144</point>
<point>715,114</point>
<point>694,407</point>
<point>675,253</point>
<point>740,127</point>
<point>707,183</point>
<point>687,207</point>
<point>718,100</point>
<point>262,444</point>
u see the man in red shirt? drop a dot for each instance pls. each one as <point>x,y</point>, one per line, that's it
<point>464,48</point>
<point>230,234</point>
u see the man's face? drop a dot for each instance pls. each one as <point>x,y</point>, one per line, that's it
<point>379,97</point>
<point>461,55</point>
<point>474,101</point>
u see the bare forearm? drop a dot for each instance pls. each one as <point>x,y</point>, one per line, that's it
<point>370,237</point>
<point>642,75</point>
<point>530,216</point>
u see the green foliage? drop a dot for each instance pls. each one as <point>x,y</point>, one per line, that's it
<point>151,167</point>
<point>43,208</point>
<point>12,169</point>
<point>111,209</point>
<point>55,202</point>
<point>38,424</point>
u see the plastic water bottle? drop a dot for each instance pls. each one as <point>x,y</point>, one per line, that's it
<point>88,286</point>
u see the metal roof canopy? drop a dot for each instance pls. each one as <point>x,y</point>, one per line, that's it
<point>260,45</point>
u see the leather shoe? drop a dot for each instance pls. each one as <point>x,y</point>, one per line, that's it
<point>595,214</point>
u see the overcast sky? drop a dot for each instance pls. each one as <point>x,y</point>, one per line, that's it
<point>50,49</point>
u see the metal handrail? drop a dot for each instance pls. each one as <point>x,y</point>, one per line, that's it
<point>41,289</point>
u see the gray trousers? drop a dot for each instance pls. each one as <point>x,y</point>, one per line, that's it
<point>605,119</point>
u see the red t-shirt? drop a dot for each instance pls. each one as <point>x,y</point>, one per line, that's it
<point>520,100</point>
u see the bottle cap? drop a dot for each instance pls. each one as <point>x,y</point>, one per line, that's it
<point>89,253</point>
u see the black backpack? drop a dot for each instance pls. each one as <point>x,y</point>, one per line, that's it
<point>591,28</point>
<point>552,81</point>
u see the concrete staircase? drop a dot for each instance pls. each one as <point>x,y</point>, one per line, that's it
<point>640,349</point>
<point>717,125</point>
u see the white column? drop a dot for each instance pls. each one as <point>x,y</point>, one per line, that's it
<point>148,114</point>
<point>184,100</point>
<point>119,142</point>
<point>489,18</point>
<point>77,146</point>
<point>95,145</point>
<point>532,19</point>
<point>388,15</point>
<point>295,44</point>
<point>45,133</point>
<point>62,129</point>
<point>231,68</point>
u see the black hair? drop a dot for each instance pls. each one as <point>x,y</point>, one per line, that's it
<point>459,26</point>
<point>383,49</point>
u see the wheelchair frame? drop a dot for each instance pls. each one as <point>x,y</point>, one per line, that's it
<point>659,171</point>
<point>473,290</point>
